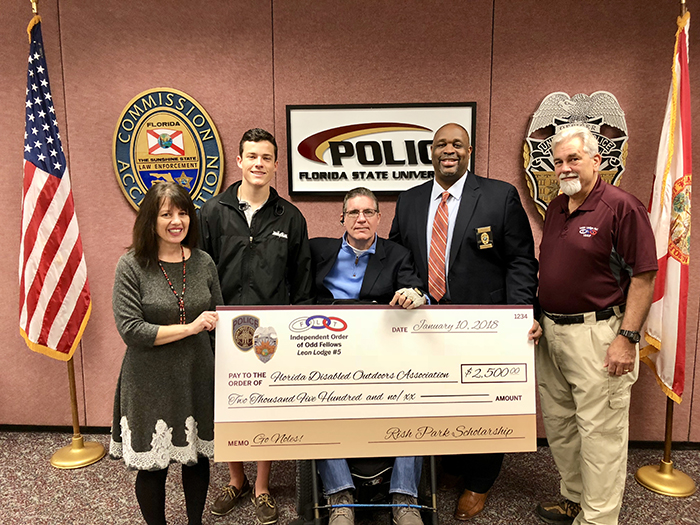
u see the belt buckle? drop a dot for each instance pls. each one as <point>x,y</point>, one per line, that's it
<point>572,319</point>
<point>604,315</point>
<point>564,319</point>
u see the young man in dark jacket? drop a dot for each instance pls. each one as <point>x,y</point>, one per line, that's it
<point>260,245</point>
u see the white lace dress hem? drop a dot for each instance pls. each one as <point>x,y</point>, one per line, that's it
<point>162,452</point>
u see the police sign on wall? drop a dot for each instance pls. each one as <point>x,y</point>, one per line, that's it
<point>165,135</point>
<point>600,112</point>
<point>384,147</point>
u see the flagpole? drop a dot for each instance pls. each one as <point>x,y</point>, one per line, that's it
<point>79,453</point>
<point>663,478</point>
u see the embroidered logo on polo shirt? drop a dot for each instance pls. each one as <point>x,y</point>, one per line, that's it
<point>281,235</point>
<point>588,231</point>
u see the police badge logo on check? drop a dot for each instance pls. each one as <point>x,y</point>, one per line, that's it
<point>265,341</point>
<point>243,328</point>
<point>165,135</point>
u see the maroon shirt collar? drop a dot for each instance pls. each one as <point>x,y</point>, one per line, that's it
<point>591,201</point>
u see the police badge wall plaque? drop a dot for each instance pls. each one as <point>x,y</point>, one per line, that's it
<point>599,112</point>
<point>165,135</point>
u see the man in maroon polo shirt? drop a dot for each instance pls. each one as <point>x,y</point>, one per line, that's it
<point>597,269</point>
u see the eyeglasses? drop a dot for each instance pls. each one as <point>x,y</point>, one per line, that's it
<point>354,214</point>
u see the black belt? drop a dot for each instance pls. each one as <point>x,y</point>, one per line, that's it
<point>579,318</point>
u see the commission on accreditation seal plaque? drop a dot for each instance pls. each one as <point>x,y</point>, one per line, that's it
<point>164,135</point>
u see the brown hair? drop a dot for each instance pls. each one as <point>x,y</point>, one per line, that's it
<point>360,192</point>
<point>257,135</point>
<point>144,236</point>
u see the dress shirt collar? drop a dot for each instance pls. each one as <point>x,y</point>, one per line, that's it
<point>455,190</point>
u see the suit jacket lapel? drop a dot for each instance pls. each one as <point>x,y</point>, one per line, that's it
<point>374,268</point>
<point>467,205</point>
<point>327,259</point>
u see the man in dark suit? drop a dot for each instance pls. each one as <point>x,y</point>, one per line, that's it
<point>361,266</point>
<point>472,244</point>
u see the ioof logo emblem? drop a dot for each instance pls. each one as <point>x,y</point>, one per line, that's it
<point>318,322</point>
<point>588,231</point>
<point>243,330</point>
<point>265,343</point>
<point>600,112</point>
<point>165,135</point>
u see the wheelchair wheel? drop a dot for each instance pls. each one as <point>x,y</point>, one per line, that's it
<point>304,490</point>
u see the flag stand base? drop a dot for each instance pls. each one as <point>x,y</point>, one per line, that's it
<point>666,480</point>
<point>78,454</point>
<point>663,478</point>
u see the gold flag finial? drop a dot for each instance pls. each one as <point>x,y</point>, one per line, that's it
<point>35,19</point>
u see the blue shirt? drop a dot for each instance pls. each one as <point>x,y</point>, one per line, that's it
<point>344,280</point>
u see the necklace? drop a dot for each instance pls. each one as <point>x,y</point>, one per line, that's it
<point>180,298</point>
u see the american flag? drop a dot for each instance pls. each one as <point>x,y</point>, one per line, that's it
<point>54,293</point>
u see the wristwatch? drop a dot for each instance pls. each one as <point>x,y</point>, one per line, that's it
<point>633,336</point>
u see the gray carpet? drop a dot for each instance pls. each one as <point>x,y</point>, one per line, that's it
<point>35,493</point>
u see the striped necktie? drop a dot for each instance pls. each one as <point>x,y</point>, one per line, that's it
<point>438,246</point>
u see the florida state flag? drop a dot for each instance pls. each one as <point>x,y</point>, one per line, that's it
<point>670,218</point>
<point>165,142</point>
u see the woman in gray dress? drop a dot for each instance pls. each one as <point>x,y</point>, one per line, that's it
<point>165,293</point>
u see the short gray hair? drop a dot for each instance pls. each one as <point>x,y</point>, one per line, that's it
<point>360,192</point>
<point>590,144</point>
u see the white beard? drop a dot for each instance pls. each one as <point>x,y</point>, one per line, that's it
<point>570,187</point>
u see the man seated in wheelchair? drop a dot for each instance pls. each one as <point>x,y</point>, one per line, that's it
<point>364,267</point>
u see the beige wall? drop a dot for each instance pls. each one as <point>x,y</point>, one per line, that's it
<point>245,60</point>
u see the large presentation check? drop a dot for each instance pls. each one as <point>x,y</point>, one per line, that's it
<point>361,381</point>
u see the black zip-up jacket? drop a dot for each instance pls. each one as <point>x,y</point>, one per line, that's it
<point>266,263</point>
